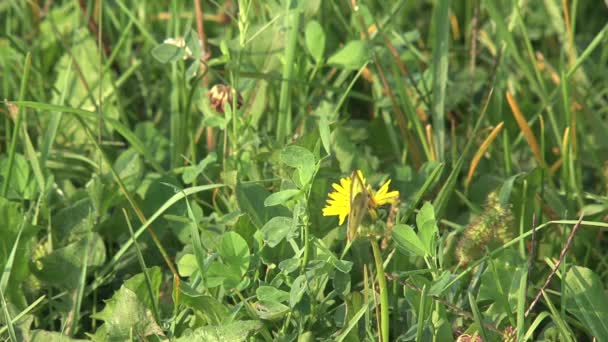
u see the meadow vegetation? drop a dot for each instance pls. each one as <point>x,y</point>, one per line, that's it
<point>302,170</point>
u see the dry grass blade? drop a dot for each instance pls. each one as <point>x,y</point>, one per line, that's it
<point>481,151</point>
<point>525,128</point>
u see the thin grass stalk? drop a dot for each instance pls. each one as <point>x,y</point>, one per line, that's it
<point>384,317</point>
<point>17,128</point>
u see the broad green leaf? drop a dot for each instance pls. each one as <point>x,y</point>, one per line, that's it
<point>203,305</point>
<point>500,281</point>
<point>193,69</point>
<point>427,227</point>
<point>130,167</point>
<point>407,241</point>
<point>22,185</point>
<point>343,266</point>
<point>168,53</point>
<point>153,141</point>
<point>270,310</point>
<point>277,229</point>
<point>234,251</point>
<point>186,265</point>
<point>194,44</point>
<point>315,40</point>
<point>325,133</point>
<point>235,332</point>
<point>72,223</point>
<point>352,56</point>
<point>51,336</point>
<point>12,225</point>
<point>83,50</point>
<point>138,285</point>
<point>213,120</point>
<point>271,293</point>
<point>302,159</point>
<point>217,273</point>
<point>587,300</point>
<point>341,283</point>
<point>439,283</point>
<point>310,7</point>
<point>280,197</point>
<point>298,288</point>
<point>235,257</point>
<point>250,198</point>
<point>191,172</point>
<point>124,315</point>
<point>63,266</point>
<point>506,189</point>
<point>289,265</point>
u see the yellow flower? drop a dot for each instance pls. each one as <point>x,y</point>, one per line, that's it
<point>338,201</point>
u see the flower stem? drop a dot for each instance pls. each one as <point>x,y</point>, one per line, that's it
<point>384,322</point>
<point>306,247</point>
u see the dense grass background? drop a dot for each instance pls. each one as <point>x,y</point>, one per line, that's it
<point>136,204</point>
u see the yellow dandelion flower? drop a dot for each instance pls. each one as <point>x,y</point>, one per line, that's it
<point>339,201</point>
<point>383,196</point>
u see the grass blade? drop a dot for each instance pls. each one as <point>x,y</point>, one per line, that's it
<point>17,128</point>
<point>7,318</point>
<point>144,268</point>
<point>477,316</point>
<point>22,314</point>
<point>440,72</point>
<point>292,23</point>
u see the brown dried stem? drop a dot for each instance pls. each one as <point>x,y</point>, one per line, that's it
<point>559,262</point>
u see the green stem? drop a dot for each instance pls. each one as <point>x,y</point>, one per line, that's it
<point>17,128</point>
<point>306,246</point>
<point>384,322</point>
<point>292,21</point>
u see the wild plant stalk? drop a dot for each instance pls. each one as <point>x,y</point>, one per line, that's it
<point>384,319</point>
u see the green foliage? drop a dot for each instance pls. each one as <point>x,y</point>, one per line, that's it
<point>138,205</point>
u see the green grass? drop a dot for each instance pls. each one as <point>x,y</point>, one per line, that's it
<point>135,205</point>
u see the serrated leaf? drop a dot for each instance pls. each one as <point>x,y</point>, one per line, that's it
<point>125,315</point>
<point>139,286</point>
